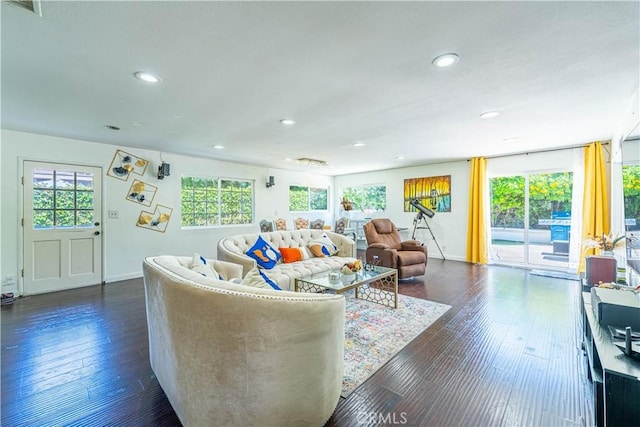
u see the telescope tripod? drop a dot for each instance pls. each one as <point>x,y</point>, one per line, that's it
<point>416,220</point>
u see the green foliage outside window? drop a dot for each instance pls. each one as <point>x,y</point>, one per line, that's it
<point>367,197</point>
<point>548,193</point>
<point>302,198</point>
<point>213,202</point>
<point>631,191</point>
<point>318,199</point>
<point>62,199</point>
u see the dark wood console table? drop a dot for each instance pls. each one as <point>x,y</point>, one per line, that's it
<point>615,376</point>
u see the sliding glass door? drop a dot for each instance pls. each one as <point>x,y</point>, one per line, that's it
<point>531,219</point>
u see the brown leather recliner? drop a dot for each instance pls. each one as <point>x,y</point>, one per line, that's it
<point>383,240</point>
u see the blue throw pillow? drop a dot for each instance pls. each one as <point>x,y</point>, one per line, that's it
<point>264,254</point>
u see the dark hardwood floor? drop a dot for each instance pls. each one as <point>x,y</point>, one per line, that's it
<point>506,354</point>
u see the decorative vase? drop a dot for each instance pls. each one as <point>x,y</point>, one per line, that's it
<point>607,253</point>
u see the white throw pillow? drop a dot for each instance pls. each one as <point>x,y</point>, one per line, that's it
<point>323,246</point>
<point>258,279</point>
<point>199,264</point>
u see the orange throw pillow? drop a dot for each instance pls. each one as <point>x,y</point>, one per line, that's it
<point>292,254</point>
<point>317,250</point>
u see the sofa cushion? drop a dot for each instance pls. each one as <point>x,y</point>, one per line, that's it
<point>264,254</point>
<point>200,265</point>
<point>293,254</point>
<point>258,279</point>
<point>323,246</point>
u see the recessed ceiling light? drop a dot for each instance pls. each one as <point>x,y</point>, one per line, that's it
<point>400,158</point>
<point>510,140</point>
<point>288,122</point>
<point>358,144</point>
<point>288,159</point>
<point>147,77</point>
<point>112,127</point>
<point>445,60</point>
<point>218,147</point>
<point>489,115</point>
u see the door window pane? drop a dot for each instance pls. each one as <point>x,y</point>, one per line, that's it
<point>42,219</point>
<point>507,219</point>
<point>65,199</point>
<point>42,178</point>
<point>65,219</point>
<point>550,218</point>
<point>84,200</point>
<point>65,179</point>
<point>631,190</point>
<point>84,218</point>
<point>43,199</point>
<point>84,181</point>
<point>531,219</point>
<point>62,199</point>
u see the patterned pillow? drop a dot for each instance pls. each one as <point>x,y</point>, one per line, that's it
<point>258,279</point>
<point>264,254</point>
<point>293,254</point>
<point>199,264</point>
<point>323,246</point>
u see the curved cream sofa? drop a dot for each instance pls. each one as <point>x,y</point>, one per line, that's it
<point>233,249</point>
<point>227,354</point>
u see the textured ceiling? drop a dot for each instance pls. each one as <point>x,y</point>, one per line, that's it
<point>560,74</point>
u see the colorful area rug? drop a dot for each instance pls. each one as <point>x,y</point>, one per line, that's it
<point>375,333</point>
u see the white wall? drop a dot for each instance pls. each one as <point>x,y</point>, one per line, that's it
<point>125,244</point>
<point>449,228</point>
<point>549,161</point>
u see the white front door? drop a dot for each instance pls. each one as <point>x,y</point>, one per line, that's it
<point>62,226</point>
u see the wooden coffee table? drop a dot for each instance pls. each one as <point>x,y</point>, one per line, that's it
<point>379,285</point>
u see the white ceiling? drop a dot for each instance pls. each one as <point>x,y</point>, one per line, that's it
<point>560,74</point>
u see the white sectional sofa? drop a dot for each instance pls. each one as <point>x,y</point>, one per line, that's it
<point>234,249</point>
<point>227,354</point>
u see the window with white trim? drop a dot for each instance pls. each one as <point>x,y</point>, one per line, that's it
<point>209,202</point>
<point>367,197</point>
<point>303,198</point>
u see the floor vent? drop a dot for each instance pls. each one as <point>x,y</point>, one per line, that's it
<point>30,5</point>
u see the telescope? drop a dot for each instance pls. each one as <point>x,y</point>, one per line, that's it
<point>422,212</point>
<point>422,208</point>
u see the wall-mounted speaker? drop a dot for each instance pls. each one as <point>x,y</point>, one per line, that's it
<point>164,170</point>
<point>271,182</point>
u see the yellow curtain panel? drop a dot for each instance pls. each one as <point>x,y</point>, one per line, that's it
<point>477,251</point>
<point>595,207</point>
